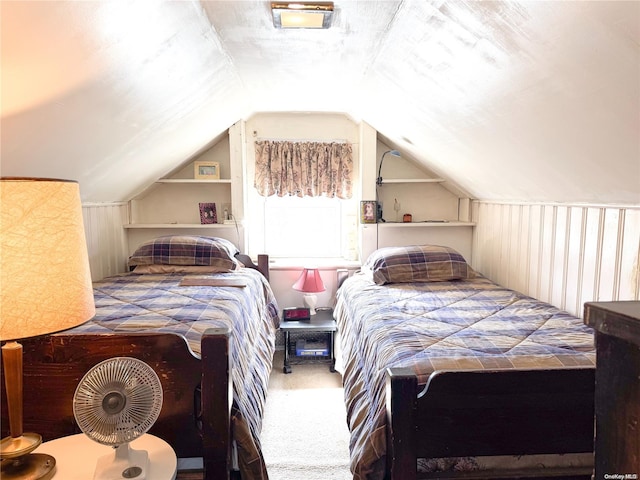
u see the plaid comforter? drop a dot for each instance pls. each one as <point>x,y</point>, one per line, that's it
<point>471,324</point>
<point>157,302</point>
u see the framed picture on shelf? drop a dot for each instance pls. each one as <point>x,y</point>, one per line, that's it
<point>206,170</point>
<point>208,213</point>
<point>368,211</point>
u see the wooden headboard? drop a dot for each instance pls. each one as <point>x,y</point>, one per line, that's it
<point>262,266</point>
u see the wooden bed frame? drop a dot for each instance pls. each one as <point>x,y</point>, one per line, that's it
<point>488,412</point>
<point>197,394</point>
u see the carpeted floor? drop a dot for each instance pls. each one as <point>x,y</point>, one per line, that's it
<point>304,433</point>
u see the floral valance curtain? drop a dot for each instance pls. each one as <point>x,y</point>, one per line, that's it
<point>303,169</point>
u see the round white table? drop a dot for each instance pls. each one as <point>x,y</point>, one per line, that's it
<point>76,456</point>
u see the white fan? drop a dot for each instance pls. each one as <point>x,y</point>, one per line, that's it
<point>117,401</point>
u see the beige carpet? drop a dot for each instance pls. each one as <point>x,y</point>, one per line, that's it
<point>304,432</point>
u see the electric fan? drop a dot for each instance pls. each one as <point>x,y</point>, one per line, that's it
<point>117,401</point>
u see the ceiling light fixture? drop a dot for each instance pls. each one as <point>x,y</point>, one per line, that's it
<point>302,15</point>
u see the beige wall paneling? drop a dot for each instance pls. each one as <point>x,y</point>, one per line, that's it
<point>563,254</point>
<point>106,239</point>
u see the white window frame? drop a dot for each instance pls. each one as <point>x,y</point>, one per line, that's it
<point>312,227</point>
<point>254,222</point>
<point>313,224</point>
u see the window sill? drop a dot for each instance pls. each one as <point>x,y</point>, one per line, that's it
<point>320,263</point>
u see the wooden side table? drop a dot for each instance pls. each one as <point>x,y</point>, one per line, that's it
<point>321,322</point>
<point>617,402</point>
<point>76,456</point>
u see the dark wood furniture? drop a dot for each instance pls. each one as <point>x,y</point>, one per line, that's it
<point>485,412</point>
<point>321,322</point>
<point>197,397</point>
<point>617,404</point>
<point>197,394</point>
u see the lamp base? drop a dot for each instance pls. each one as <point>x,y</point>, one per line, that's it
<point>310,302</point>
<point>33,466</point>
<point>19,463</point>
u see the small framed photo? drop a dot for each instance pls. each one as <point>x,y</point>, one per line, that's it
<point>368,211</point>
<point>206,170</point>
<point>208,213</point>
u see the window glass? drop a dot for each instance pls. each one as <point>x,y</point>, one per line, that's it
<point>313,227</point>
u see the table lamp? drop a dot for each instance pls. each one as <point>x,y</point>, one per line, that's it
<point>45,287</point>
<point>310,283</point>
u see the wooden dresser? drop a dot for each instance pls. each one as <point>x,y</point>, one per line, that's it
<point>617,402</point>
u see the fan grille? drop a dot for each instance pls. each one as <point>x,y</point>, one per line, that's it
<point>118,400</point>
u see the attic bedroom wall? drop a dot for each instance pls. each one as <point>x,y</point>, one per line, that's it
<point>563,254</point>
<point>106,237</point>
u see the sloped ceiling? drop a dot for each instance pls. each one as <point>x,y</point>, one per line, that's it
<point>534,101</point>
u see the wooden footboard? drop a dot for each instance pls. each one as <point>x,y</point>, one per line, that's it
<point>194,421</point>
<point>488,412</point>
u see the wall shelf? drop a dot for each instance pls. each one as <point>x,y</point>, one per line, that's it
<point>452,223</point>
<point>412,180</point>
<point>192,180</point>
<point>180,225</point>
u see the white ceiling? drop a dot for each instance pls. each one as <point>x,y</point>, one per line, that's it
<point>534,101</point>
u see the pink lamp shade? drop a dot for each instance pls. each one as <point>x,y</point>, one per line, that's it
<point>309,281</point>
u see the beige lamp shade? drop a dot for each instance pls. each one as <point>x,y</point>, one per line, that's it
<point>44,267</point>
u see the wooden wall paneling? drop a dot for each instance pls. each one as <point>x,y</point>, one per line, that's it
<point>510,247</point>
<point>547,231</point>
<point>497,243</point>
<point>478,236</point>
<point>563,254</point>
<point>610,258</point>
<point>574,260</point>
<point>629,286</point>
<point>106,240</point>
<point>535,235</point>
<point>558,270</point>
<point>591,257</point>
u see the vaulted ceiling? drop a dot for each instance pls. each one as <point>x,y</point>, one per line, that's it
<point>510,100</point>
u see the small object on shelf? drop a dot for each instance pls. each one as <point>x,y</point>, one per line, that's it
<point>407,218</point>
<point>206,170</point>
<point>309,348</point>
<point>208,213</point>
<point>368,210</point>
<point>396,207</point>
<point>226,212</point>
<point>296,313</point>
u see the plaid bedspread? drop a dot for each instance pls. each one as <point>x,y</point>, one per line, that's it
<point>150,302</point>
<point>472,324</point>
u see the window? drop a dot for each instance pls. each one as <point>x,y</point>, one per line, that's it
<point>307,227</point>
<point>294,205</point>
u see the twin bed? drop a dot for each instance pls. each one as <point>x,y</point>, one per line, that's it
<point>447,374</point>
<point>203,320</point>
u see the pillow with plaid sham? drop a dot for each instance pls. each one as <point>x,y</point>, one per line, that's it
<point>187,250</point>
<point>417,263</point>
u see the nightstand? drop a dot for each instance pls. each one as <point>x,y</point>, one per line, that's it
<point>323,323</point>
<point>76,456</point>
<point>617,397</point>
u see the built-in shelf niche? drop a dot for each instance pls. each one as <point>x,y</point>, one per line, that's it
<point>173,201</point>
